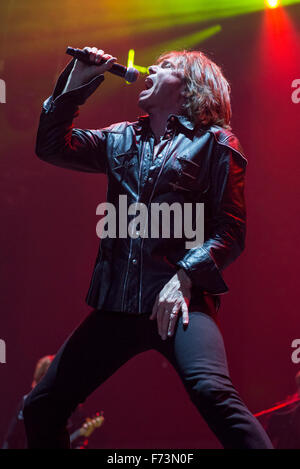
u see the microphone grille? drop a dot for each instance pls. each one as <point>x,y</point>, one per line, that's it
<point>131,75</point>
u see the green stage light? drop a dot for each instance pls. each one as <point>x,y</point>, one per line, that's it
<point>184,42</point>
<point>119,20</point>
<point>130,63</point>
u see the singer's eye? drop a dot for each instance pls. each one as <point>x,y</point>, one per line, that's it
<point>166,64</point>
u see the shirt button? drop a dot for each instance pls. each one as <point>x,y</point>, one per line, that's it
<point>134,261</point>
<point>152,168</point>
<point>150,180</point>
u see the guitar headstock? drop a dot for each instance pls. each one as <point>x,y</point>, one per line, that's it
<point>91,424</point>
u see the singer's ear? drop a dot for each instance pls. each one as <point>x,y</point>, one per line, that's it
<point>183,91</point>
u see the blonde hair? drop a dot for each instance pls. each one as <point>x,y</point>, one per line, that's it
<point>41,369</point>
<point>207,91</point>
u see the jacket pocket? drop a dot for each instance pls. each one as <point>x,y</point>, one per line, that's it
<point>123,161</point>
<point>186,174</point>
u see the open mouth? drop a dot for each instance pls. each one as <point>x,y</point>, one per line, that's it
<point>148,83</point>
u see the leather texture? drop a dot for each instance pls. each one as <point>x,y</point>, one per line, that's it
<point>192,165</point>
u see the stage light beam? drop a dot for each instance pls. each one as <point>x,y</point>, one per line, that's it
<point>273,3</point>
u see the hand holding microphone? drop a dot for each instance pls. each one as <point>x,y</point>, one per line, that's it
<point>91,62</point>
<point>84,71</point>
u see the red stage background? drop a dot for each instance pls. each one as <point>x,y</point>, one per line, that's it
<point>48,238</point>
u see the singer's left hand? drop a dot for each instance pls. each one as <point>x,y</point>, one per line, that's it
<point>175,296</point>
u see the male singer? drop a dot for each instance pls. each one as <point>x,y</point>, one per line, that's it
<point>152,292</point>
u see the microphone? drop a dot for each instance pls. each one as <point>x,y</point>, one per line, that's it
<point>130,74</point>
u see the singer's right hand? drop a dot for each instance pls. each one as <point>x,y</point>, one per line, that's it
<point>82,73</point>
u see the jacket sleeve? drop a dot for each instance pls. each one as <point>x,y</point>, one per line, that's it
<point>226,224</point>
<point>58,142</point>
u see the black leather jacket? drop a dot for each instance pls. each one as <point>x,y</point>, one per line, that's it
<point>194,165</point>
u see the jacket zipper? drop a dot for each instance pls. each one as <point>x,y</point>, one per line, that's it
<point>151,196</point>
<point>138,199</point>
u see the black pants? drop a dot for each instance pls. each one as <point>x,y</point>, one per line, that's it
<point>105,340</point>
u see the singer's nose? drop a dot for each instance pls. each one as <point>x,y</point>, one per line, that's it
<point>152,69</point>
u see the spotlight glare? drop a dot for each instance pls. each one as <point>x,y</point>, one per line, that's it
<point>273,3</point>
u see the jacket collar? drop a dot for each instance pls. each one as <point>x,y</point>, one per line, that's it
<point>183,120</point>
